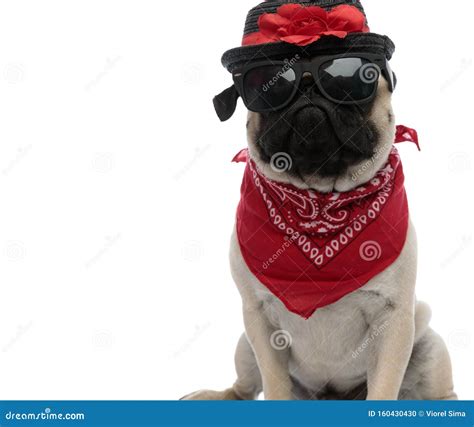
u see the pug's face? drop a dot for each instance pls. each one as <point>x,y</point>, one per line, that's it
<point>317,144</point>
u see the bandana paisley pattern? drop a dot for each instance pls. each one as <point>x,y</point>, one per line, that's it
<point>322,225</point>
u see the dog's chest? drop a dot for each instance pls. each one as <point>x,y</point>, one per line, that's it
<point>326,348</point>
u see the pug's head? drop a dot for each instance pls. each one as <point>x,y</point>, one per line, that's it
<point>315,143</point>
<point>313,124</point>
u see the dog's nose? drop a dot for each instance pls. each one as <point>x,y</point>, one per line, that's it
<point>307,80</point>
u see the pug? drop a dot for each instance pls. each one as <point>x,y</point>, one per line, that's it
<point>323,252</point>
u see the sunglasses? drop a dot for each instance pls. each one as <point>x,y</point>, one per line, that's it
<point>272,85</point>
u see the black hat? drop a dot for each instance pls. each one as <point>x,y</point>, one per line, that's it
<point>279,28</point>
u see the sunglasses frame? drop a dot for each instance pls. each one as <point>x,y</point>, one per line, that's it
<point>312,66</point>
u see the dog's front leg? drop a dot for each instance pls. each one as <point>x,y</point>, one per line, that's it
<point>272,359</point>
<point>392,338</point>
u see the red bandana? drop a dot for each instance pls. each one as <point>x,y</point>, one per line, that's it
<point>311,249</point>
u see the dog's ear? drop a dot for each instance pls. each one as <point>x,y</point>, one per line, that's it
<point>225,103</point>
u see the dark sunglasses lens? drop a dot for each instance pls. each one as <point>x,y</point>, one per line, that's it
<point>349,79</point>
<point>268,87</point>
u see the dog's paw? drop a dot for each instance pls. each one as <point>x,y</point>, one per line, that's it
<point>228,394</point>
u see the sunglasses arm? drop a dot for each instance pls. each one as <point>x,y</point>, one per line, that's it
<point>225,103</point>
<point>391,77</point>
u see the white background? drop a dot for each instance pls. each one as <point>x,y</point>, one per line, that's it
<point>118,196</point>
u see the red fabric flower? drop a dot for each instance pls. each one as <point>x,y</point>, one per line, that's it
<point>296,24</point>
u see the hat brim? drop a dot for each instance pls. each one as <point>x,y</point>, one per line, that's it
<point>328,45</point>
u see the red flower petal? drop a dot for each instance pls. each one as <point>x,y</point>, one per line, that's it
<point>313,29</point>
<point>296,24</point>
<point>311,12</point>
<point>288,10</point>
<point>300,40</point>
<point>256,38</point>
<point>339,34</point>
<point>282,32</point>
<point>347,18</point>
<point>271,23</point>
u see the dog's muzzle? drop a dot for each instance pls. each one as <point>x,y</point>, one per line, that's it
<point>320,136</point>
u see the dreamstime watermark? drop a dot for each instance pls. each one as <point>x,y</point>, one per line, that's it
<point>21,153</point>
<point>21,331</point>
<point>192,251</point>
<point>462,68</point>
<point>198,332</point>
<point>192,73</point>
<point>281,340</point>
<point>110,241</point>
<point>103,162</point>
<point>460,339</point>
<point>370,251</point>
<point>199,152</point>
<point>283,73</point>
<point>14,73</point>
<point>281,162</point>
<point>466,241</point>
<point>103,340</point>
<point>283,248</point>
<point>368,165</point>
<point>370,73</point>
<point>459,163</point>
<point>375,333</point>
<point>15,250</point>
<point>46,415</point>
<point>110,64</point>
